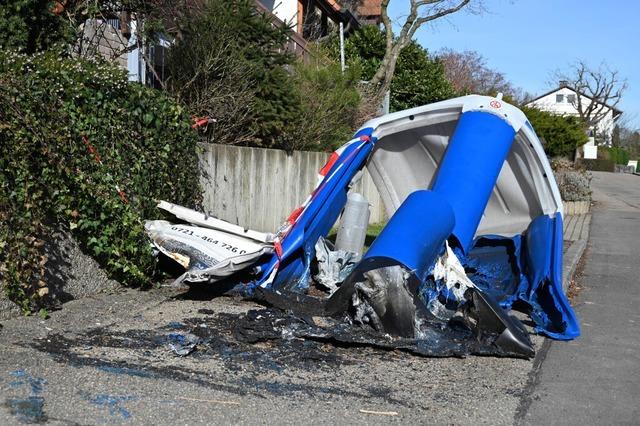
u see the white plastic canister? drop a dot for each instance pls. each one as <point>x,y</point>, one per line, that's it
<point>352,230</point>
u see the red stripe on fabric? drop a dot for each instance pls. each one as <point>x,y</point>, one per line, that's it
<point>294,215</point>
<point>278,248</point>
<point>345,160</point>
<point>332,160</point>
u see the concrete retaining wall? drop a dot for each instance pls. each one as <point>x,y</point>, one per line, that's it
<point>258,188</point>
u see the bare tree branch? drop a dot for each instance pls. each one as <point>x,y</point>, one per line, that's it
<point>599,90</point>
<point>420,13</point>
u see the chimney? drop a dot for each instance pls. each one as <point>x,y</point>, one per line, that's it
<point>563,83</point>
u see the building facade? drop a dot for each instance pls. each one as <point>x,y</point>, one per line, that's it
<point>564,101</point>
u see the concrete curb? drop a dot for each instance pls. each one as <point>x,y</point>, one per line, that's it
<point>572,257</point>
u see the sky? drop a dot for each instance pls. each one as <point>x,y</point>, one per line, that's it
<point>528,40</point>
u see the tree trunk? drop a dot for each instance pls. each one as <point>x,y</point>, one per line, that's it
<point>383,76</point>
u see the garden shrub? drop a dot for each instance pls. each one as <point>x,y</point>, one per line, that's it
<point>574,183</point>
<point>615,154</point>
<point>419,79</point>
<point>229,63</point>
<point>329,106</point>
<point>560,135</point>
<point>83,149</point>
<point>30,26</point>
<point>599,164</point>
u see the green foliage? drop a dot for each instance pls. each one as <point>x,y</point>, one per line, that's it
<point>599,164</point>
<point>228,46</point>
<point>561,135</point>
<point>418,79</point>
<point>616,154</point>
<point>30,26</point>
<point>85,150</point>
<point>364,48</point>
<point>328,106</point>
<point>229,64</point>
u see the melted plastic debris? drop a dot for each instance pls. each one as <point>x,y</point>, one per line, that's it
<point>334,266</point>
<point>437,339</point>
<point>182,344</point>
<point>495,266</point>
<point>451,273</point>
<point>447,287</point>
<point>384,301</point>
<point>385,310</point>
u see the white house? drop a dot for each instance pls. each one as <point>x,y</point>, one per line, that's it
<point>564,101</point>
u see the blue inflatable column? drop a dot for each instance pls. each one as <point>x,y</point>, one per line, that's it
<point>413,238</point>
<point>470,168</point>
<point>414,235</point>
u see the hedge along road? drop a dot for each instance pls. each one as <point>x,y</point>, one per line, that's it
<point>106,359</point>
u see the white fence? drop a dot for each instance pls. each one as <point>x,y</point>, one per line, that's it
<point>258,188</point>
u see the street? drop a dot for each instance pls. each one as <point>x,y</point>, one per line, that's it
<point>105,360</point>
<point>596,379</point>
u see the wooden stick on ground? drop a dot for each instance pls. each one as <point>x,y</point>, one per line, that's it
<point>380,413</point>
<point>215,401</point>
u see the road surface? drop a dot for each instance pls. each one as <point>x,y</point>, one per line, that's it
<point>105,360</point>
<point>596,379</point>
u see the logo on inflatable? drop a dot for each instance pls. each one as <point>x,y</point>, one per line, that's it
<point>495,104</point>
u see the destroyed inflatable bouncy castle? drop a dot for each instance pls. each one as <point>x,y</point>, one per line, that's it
<point>474,236</point>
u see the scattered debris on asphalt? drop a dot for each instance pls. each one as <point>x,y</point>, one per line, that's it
<point>182,344</point>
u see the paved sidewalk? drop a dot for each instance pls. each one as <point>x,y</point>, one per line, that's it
<point>577,227</point>
<point>596,379</point>
<point>575,236</point>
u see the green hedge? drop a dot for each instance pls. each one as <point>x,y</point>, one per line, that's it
<point>419,77</point>
<point>599,164</point>
<point>617,155</point>
<point>84,149</point>
<point>560,135</point>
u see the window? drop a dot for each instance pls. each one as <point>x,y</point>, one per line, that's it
<point>571,99</point>
<point>559,98</point>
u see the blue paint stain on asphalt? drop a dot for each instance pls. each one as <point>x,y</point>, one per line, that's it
<point>27,410</point>
<point>36,383</point>
<point>176,325</point>
<point>31,408</point>
<point>114,404</point>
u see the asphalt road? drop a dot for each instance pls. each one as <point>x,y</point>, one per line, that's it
<point>595,380</point>
<point>105,360</point>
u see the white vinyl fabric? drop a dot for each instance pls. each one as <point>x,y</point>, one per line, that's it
<point>412,143</point>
